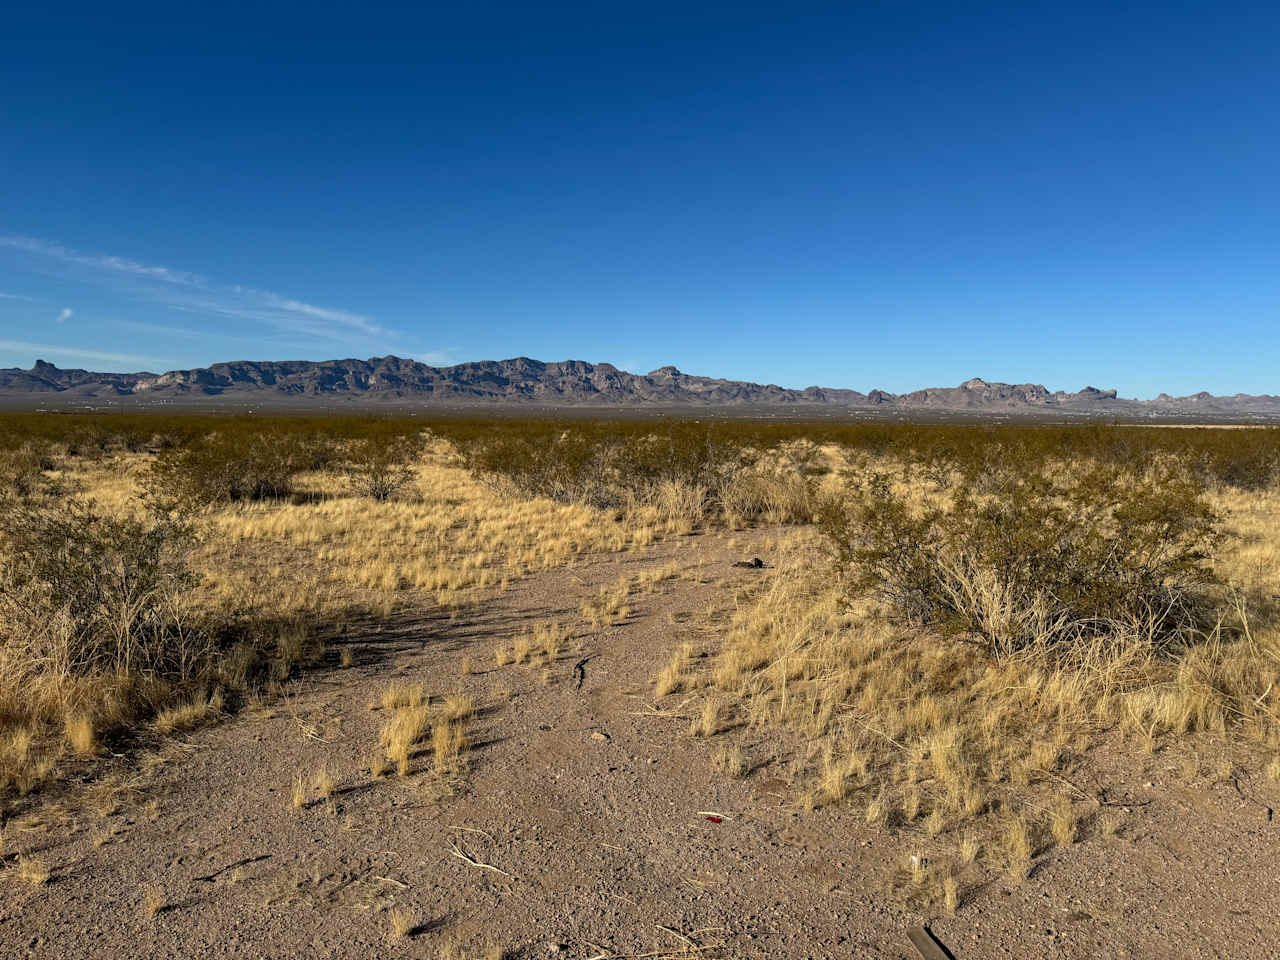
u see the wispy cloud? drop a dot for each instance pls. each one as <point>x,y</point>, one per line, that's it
<point>65,314</point>
<point>118,264</point>
<point>196,293</point>
<point>16,296</point>
<point>437,358</point>
<point>75,353</point>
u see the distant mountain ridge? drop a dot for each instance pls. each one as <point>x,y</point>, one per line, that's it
<point>576,383</point>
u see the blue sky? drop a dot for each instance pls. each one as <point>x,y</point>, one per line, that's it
<point>866,195</point>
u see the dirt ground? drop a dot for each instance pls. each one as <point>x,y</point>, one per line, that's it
<point>589,823</point>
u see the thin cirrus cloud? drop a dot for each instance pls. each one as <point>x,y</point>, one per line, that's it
<point>73,353</point>
<point>65,314</point>
<point>196,293</point>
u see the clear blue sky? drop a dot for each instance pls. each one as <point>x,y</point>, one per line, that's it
<point>865,195</point>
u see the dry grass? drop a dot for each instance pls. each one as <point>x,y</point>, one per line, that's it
<point>414,722</point>
<point>324,783</point>
<point>675,676</point>
<point>32,870</point>
<point>153,901</point>
<point>730,761</point>
<point>928,737</point>
<point>540,646</point>
<point>398,695</point>
<point>609,605</point>
<point>708,723</point>
<point>934,733</point>
<point>1063,821</point>
<point>23,763</point>
<point>1018,846</point>
<point>402,732</point>
<point>403,923</point>
<point>1111,822</point>
<point>453,536</point>
<point>189,715</point>
<point>324,557</point>
<point>951,893</point>
<point>457,950</point>
<point>81,736</point>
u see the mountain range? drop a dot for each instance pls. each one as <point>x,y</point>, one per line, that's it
<point>573,383</point>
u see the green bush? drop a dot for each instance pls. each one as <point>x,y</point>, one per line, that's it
<point>607,465</point>
<point>111,578</point>
<point>226,467</point>
<point>1038,563</point>
<point>22,471</point>
<point>382,467</point>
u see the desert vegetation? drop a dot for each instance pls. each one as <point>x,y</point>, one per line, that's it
<point>955,625</point>
<point>964,630</point>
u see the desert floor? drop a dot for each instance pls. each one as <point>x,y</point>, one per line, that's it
<point>587,822</point>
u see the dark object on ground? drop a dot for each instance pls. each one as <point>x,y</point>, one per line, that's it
<point>580,671</point>
<point>755,563</point>
<point>929,946</point>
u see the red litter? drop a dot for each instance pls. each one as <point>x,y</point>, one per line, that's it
<point>716,819</point>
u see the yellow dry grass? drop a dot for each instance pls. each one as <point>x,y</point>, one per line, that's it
<point>153,901</point>
<point>189,715</point>
<point>454,537</point>
<point>403,923</point>
<point>414,722</point>
<point>32,870</point>
<point>927,734</point>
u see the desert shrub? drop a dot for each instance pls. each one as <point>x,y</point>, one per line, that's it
<point>383,467</point>
<point>1247,467</point>
<point>109,575</point>
<point>1042,562</point>
<point>770,496</point>
<point>681,469</point>
<point>87,440</point>
<point>226,467</point>
<point>909,724</point>
<point>22,470</point>
<point>87,596</point>
<point>568,466</point>
<point>1235,458</point>
<point>681,503</point>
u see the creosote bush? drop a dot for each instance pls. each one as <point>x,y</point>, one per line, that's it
<point>1067,556</point>
<point>22,470</point>
<point>383,467</point>
<point>226,467</point>
<point>686,471</point>
<point>99,634</point>
<point>92,620</point>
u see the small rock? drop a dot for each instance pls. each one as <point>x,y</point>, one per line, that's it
<point>599,736</point>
